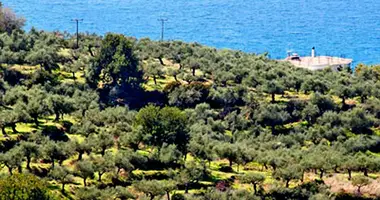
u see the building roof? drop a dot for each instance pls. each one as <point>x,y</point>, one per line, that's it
<point>317,62</point>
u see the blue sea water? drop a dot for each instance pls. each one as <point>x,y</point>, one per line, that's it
<point>349,28</point>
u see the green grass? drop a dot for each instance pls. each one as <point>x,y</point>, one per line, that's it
<point>25,69</point>
<point>65,52</point>
<point>161,83</point>
<point>67,77</point>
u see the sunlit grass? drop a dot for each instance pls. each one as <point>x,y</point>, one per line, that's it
<point>65,52</point>
<point>24,69</point>
<point>161,83</point>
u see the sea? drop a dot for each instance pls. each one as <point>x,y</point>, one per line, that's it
<point>346,28</point>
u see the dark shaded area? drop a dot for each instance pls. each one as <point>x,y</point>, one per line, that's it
<point>54,133</point>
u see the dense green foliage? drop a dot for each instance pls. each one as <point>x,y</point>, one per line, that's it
<point>23,187</point>
<point>121,118</point>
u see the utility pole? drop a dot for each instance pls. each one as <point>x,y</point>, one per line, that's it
<point>162,27</point>
<point>77,22</point>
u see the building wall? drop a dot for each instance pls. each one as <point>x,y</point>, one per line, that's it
<point>321,67</point>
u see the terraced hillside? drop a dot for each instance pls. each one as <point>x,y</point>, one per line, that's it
<point>120,118</point>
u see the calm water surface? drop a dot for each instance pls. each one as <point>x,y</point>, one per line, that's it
<point>349,28</point>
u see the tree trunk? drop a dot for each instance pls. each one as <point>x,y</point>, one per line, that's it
<point>74,78</point>
<point>186,188</point>
<point>362,99</point>
<point>63,188</point>
<point>28,163</point>
<point>336,169</point>
<point>52,163</point>
<point>287,183</point>
<point>135,147</point>
<point>90,50</point>
<point>254,187</point>
<point>265,166</point>
<point>273,129</point>
<point>80,156</point>
<point>180,66</point>
<point>36,120</point>
<point>168,195</point>
<point>14,128</point>
<point>155,80</point>
<point>175,78</point>
<point>349,174</point>
<point>273,97</point>
<point>84,182</point>
<point>193,69</point>
<point>100,176</point>
<point>10,170</point>
<point>103,151</point>
<point>365,172</point>
<point>230,162</point>
<point>321,175</point>
<point>56,116</point>
<point>359,189</point>
<point>3,131</point>
<point>19,169</point>
<point>161,61</point>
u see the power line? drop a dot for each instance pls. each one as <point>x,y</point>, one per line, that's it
<point>162,27</point>
<point>77,23</point>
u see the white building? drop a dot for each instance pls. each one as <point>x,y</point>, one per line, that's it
<point>314,62</point>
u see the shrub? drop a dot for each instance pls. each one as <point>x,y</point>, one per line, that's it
<point>23,186</point>
<point>178,197</point>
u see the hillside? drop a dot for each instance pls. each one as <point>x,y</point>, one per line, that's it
<point>121,118</point>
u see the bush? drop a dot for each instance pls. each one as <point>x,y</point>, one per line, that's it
<point>346,196</point>
<point>304,191</point>
<point>42,77</point>
<point>23,186</point>
<point>178,197</point>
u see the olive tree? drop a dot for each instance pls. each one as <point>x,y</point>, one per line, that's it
<point>12,159</point>
<point>288,173</point>
<point>253,178</point>
<point>9,21</point>
<point>360,181</point>
<point>85,169</point>
<point>62,175</point>
<point>30,150</point>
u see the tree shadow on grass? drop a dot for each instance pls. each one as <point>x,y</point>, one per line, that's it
<point>66,125</point>
<point>54,187</point>
<point>7,144</point>
<point>54,133</point>
<point>40,171</point>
